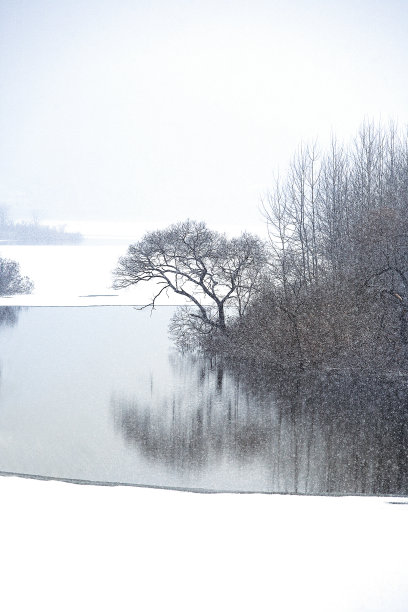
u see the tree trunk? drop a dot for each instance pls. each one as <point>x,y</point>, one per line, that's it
<point>221,318</point>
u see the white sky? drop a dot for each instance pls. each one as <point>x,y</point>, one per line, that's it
<point>153,111</point>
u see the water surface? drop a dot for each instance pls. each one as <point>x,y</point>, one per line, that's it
<point>98,394</point>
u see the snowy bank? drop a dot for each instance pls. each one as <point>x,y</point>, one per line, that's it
<point>68,547</point>
<point>75,275</point>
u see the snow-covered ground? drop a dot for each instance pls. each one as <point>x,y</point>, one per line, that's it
<point>75,275</point>
<point>69,547</point>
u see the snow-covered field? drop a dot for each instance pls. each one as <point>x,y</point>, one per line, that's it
<point>83,548</point>
<point>75,275</point>
<point>68,547</point>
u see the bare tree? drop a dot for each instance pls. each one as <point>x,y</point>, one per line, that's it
<point>204,266</point>
<point>338,282</point>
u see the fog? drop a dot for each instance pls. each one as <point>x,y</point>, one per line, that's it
<point>150,112</point>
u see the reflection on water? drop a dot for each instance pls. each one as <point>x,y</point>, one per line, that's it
<point>335,434</point>
<point>96,394</point>
<point>205,420</point>
<point>9,315</point>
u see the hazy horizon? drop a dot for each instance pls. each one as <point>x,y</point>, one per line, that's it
<point>152,112</point>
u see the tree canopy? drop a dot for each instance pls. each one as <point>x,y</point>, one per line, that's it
<point>210,270</point>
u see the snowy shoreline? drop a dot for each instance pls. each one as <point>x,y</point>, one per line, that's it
<point>202,491</point>
<point>116,548</point>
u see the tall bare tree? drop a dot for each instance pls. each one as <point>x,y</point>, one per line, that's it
<point>338,284</point>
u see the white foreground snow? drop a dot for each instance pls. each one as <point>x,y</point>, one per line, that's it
<point>68,547</point>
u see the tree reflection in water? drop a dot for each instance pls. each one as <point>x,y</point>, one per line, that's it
<point>330,434</point>
<point>9,315</point>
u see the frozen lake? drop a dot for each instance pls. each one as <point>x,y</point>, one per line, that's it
<point>97,393</point>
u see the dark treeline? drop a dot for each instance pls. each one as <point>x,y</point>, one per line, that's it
<point>335,290</point>
<point>330,287</point>
<point>25,232</point>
